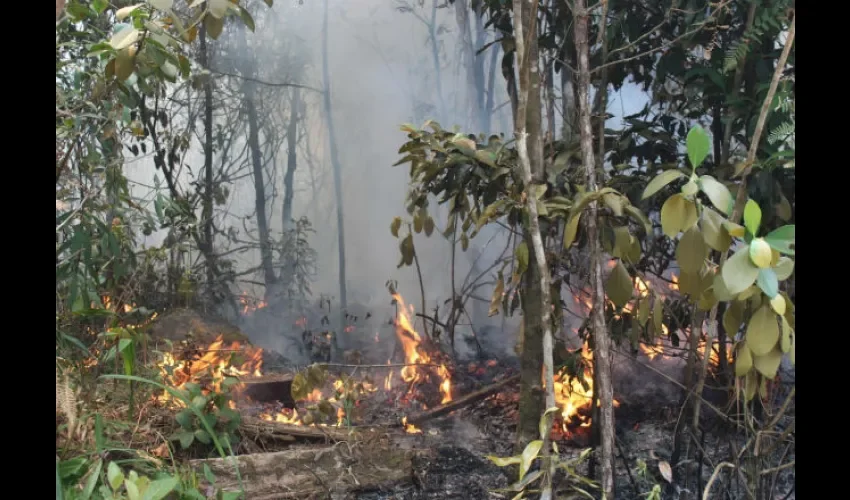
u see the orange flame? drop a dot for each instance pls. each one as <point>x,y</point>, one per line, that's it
<point>410,428</point>
<point>410,341</point>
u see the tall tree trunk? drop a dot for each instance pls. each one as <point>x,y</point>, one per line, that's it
<point>538,327</point>
<point>259,188</point>
<point>568,104</point>
<point>209,187</point>
<point>291,159</point>
<point>529,146</point>
<point>474,77</point>
<point>601,340</point>
<point>340,220</point>
<point>491,89</point>
<point>435,55</point>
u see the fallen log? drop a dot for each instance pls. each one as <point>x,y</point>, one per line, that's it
<point>315,472</point>
<point>269,388</point>
<point>462,401</point>
<point>254,428</point>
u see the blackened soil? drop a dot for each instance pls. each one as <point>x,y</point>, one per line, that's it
<point>450,473</point>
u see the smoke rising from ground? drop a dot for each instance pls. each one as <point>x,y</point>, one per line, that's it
<point>382,75</point>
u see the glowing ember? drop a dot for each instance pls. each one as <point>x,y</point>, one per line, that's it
<point>249,304</point>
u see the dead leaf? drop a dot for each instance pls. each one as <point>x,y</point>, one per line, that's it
<point>666,471</point>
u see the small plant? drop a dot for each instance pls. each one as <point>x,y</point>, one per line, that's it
<point>214,409</point>
<point>531,453</point>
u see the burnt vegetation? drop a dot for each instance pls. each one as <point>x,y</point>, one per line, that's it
<point>582,283</point>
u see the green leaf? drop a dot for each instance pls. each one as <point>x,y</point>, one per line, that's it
<point>619,287</point>
<point>622,242</point>
<point>246,18</point>
<point>395,226</point>
<point>570,230</point>
<point>768,364</point>
<point>739,273</point>
<point>124,12</point>
<point>639,217</point>
<point>698,145</point>
<point>184,418</point>
<point>752,217</point>
<point>72,467</point>
<point>124,38</point>
<point>160,488</point>
<point>768,283</point>
<point>716,236</point>
<point>785,339</point>
<point>208,474</point>
<point>784,268</point>
<point>93,478</point>
<point>762,331</point>
<point>202,436</point>
<point>504,462</point>
<point>719,194</point>
<point>132,490</point>
<point>743,361</point>
<point>100,5</point>
<point>614,202</point>
<point>269,2</point>
<point>691,251</point>
<point>114,476</point>
<point>661,180</point>
<point>528,455</point>
<point>677,214</point>
<point>186,438</point>
<point>214,25</point>
<point>760,253</point>
<point>522,256</point>
<point>782,239</point>
<point>733,318</point>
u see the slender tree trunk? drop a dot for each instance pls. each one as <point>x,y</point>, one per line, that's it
<point>209,187</point>
<point>435,55</point>
<point>291,159</point>
<point>474,77</point>
<point>529,146</point>
<point>337,171</point>
<point>259,188</point>
<point>491,89</point>
<point>602,342</point>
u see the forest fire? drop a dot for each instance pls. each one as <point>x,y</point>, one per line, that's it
<point>209,367</point>
<point>250,304</point>
<point>414,355</point>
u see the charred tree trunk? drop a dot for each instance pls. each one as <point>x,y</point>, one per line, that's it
<point>602,342</point>
<point>337,173</point>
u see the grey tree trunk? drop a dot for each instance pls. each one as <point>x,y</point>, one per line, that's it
<point>601,340</point>
<point>337,173</point>
<point>259,188</point>
<point>291,159</point>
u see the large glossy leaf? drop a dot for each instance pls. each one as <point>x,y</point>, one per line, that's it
<point>698,145</point>
<point>739,272</point>
<point>661,180</point>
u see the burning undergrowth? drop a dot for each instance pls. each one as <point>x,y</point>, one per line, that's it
<point>418,377</point>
